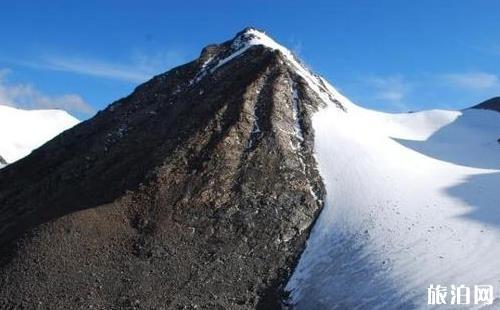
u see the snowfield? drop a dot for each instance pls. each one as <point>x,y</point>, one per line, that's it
<point>412,200</point>
<point>22,131</point>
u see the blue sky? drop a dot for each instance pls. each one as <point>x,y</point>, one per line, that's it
<point>387,55</point>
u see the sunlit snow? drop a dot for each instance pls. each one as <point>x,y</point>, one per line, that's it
<point>412,200</point>
<point>21,131</point>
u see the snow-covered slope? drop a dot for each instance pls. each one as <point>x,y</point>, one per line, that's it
<point>412,200</point>
<point>21,131</point>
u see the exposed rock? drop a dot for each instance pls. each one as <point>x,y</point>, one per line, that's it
<point>194,192</point>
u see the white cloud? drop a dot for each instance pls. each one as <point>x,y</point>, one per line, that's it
<point>397,93</point>
<point>472,80</point>
<point>26,96</point>
<point>95,68</point>
<point>391,95</point>
<point>140,68</point>
<point>390,88</point>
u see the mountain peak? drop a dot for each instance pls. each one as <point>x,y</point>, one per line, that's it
<point>214,57</point>
<point>254,36</point>
<point>250,29</point>
<point>251,36</point>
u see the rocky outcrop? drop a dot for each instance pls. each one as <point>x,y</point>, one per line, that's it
<point>197,191</point>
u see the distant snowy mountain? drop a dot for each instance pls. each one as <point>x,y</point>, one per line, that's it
<point>490,104</point>
<point>21,131</point>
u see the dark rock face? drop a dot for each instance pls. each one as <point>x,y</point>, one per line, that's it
<point>194,192</point>
<point>2,161</point>
<point>490,104</point>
